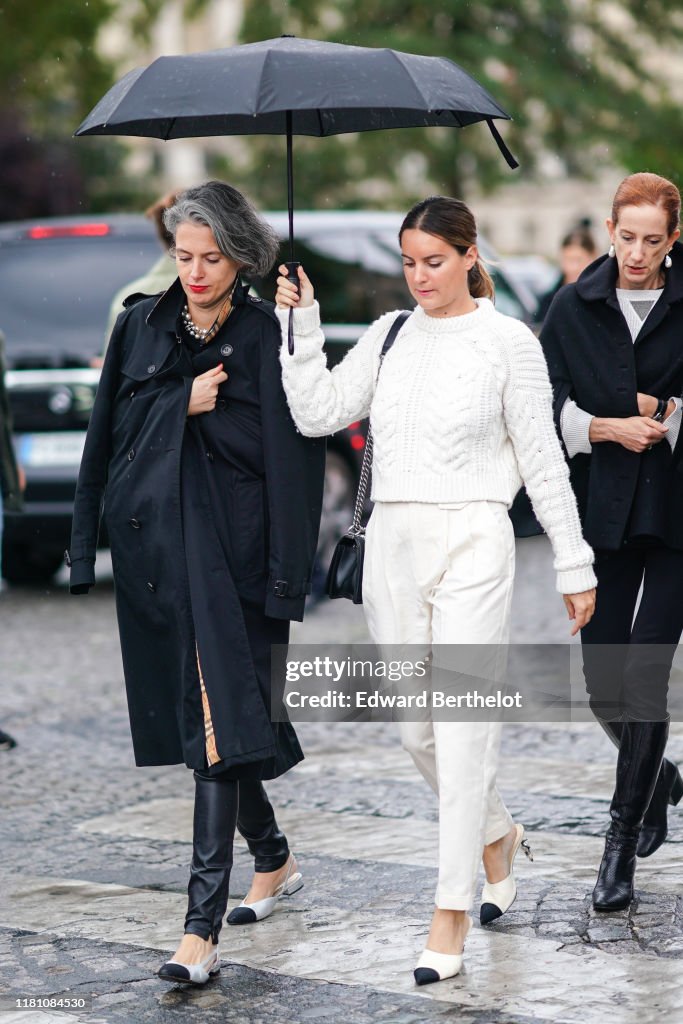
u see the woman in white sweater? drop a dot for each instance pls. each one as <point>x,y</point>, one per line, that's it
<point>461,416</point>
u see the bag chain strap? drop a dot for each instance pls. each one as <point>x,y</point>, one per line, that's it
<point>356,530</point>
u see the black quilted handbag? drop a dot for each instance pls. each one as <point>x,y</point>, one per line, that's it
<point>345,575</point>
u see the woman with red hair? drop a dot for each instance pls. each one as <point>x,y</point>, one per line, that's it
<point>614,346</point>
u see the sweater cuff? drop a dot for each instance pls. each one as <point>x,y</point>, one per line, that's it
<point>673,422</point>
<point>575,426</point>
<point>575,581</point>
<point>306,320</point>
<point>308,337</point>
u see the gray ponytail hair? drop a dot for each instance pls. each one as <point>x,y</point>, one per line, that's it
<point>241,233</point>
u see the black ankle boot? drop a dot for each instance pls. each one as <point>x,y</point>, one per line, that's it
<point>640,757</point>
<point>668,790</point>
<point>614,887</point>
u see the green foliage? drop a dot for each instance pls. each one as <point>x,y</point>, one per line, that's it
<point>52,73</point>
<point>585,81</point>
<point>50,51</point>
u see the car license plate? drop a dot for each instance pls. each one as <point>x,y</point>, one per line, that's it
<point>55,449</point>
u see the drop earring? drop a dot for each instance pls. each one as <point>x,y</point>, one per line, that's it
<point>667,262</point>
<point>612,251</point>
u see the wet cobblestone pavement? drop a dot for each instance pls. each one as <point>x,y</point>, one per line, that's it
<point>94,857</point>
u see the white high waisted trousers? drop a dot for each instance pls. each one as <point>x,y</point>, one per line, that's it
<point>437,574</point>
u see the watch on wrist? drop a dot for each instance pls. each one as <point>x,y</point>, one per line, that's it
<point>662,406</point>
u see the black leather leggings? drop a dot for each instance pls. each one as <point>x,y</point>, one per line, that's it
<point>221,804</point>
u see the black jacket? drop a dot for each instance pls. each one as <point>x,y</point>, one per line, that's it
<point>138,374</point>
<point>212,522</point>
<point>622,495</point>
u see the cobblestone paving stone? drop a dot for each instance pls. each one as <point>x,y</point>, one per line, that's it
<point>241,995</point>
<point>62,696</point>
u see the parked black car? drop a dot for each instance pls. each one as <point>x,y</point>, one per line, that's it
<point>57,280</point>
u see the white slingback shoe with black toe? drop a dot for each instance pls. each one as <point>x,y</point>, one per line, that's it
<point>497,897</point>
<point>249,913</point>
<point>191,974</point>
<point>432,966</point>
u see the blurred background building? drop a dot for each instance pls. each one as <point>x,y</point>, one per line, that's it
<point>593,87</point>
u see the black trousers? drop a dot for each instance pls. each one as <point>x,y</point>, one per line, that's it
<point>220,805</point>
<point>626,660</point>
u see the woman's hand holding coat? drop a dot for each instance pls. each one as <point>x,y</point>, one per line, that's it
<point>580,608</point>
<point>205,390</point>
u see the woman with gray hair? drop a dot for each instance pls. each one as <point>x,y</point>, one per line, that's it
<point>212,506</point>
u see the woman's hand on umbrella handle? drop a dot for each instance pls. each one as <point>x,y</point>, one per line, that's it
<point>286,294</point>
<point>205,390</point>
<point>580,608</point>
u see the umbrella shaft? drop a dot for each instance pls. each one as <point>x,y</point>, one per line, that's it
<point>290,184</point>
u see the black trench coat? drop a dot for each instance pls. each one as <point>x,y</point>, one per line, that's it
<point>213,524</point>
<point>622,495</point>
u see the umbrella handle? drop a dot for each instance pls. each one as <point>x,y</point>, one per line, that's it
<point>292,272</point>
<point>293,278</point>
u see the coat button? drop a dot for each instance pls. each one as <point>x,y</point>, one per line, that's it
<point>132,394</point>
<point>221,403</point>
<point>131,454</point>
<point>135,523</point>
<point>227,350</point>
<point>209,456</point>
<point>151,368</point>
<point>151,587</point>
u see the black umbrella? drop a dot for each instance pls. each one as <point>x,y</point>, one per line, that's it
<point>290,86</point>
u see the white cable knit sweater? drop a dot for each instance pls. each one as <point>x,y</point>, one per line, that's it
<point>462,411</point>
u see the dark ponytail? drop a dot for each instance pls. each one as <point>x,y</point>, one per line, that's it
<point>453,221</point>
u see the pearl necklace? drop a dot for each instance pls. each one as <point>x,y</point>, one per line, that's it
<point>204,334</point>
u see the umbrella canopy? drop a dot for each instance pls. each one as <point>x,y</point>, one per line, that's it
<point>329,89</point>
<point>290,86</point>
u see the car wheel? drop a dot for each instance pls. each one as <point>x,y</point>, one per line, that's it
<point>29,565</point>
<point>339,496</point>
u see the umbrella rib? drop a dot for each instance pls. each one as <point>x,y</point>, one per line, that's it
<point>397,55</point>
<point>266,58</point>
